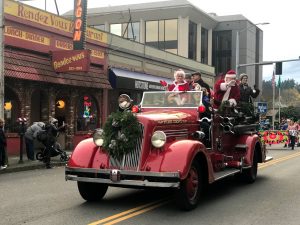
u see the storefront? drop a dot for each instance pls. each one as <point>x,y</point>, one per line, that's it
<point>133,84</point>
<point>33,90</point>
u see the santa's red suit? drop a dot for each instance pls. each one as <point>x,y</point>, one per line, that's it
<point>224,91</point>
<point>178,86</point>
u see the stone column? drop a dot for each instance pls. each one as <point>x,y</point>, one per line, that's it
<point>71,119</point>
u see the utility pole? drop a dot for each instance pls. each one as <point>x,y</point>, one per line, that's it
<point>1,59</point>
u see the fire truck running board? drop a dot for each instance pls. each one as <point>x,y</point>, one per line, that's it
<point>225,173</point>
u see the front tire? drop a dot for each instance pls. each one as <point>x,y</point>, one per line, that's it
<point>92,191</point>
<point>191,188</point>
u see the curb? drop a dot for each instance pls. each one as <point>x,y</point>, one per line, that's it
<point>20,167</point>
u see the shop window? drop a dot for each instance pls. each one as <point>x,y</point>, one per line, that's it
<point>87,114</point>
<point>11,111</point>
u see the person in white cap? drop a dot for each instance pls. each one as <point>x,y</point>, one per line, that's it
<point>227,89</point>
<point>52,131</point>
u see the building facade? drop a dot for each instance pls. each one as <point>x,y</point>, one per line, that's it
<point>33,90</point>
<point>181,28</point>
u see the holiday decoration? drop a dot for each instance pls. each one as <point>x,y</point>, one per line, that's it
<point>121,132</point>
<point>274,136</point>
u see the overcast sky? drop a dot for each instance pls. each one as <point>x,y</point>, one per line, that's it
<point>281,36</point>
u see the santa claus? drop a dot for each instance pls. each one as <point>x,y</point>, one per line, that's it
<point>227,89</point>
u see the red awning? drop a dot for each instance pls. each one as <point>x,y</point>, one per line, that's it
<point>30,66</point>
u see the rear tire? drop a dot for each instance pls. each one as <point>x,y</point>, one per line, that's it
<point>92,191</point>
<point>187,197</point>
<point>249,175</point>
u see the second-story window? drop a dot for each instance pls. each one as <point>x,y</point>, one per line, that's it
<point>204,45</point>
<point>127,30</point>
<point>162,34</point>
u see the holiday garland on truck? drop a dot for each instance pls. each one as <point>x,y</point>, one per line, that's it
<point>121,132</point>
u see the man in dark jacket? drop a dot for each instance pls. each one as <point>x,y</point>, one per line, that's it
<point>198,80</point>
<point>52,131</point>
<point>247,93</point>
<point>3,145</point>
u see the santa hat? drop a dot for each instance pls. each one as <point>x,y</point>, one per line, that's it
<point>230,74</point>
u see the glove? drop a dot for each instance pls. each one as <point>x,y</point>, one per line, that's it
<point>163,83</point>
<point>231,83</point>
<point>232,102</point>
<point>197,87</point>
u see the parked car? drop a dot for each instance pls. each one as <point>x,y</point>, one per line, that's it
<point>167,143</point>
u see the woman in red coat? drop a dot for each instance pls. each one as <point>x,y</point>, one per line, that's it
<point>179,84</point>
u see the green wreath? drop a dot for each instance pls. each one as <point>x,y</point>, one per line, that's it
<point>121,132</point>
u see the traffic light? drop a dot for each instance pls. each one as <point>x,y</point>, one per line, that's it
<point>278,68</point>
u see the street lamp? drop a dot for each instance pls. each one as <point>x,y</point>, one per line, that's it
<point>237,46</point>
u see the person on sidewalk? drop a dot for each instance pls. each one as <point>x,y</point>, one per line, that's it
<point>3,145</point>
<point>31,134</point>
<point>52,131</point>
<point>293,132</point>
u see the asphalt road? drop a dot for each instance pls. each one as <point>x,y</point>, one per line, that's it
<point>43,197</point>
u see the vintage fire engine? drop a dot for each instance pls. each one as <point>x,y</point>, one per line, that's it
<point>178,143</point>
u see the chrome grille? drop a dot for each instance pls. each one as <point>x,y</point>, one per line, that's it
<point>176,133</point>
<point>130,161</point>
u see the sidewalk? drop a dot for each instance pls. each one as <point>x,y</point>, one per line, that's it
<point>14,164</point>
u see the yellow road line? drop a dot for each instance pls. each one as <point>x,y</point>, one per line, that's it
<point>126,212</point>
<point>152,205</point>
<point>275,161</point>
<point>136,213</point>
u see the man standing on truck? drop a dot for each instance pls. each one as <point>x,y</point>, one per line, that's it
<point>198,80</point>
<point>247,93</point>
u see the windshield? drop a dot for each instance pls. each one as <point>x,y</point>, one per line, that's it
<point>171,99</point>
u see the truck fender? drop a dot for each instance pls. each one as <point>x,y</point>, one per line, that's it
<point>253,142</point>
<point>84,154</point>
<point>180,155</point>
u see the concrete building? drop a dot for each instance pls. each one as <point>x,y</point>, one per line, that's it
<point>183,29</point>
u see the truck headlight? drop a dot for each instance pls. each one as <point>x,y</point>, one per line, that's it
<point>158,139</point>
<point>98,137</point>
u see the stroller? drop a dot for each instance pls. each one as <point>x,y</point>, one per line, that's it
<point>54,151</point>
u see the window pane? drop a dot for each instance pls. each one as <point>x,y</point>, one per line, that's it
<point>204,45</point>
<point>86,114</point>
<point>222,51</point>
<point>134,31</point>
<point>99,27</point>
<point>171,30</point>
<point>171,36</point>
<point>152,33</point>
<point>192,40</point>
<point>116,29</point>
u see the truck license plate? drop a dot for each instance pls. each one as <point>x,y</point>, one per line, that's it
<point>115,175</point>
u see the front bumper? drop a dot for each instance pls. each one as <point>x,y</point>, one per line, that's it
<point>114,177</point>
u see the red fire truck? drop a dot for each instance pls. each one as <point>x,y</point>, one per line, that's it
<point>171,140</point>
